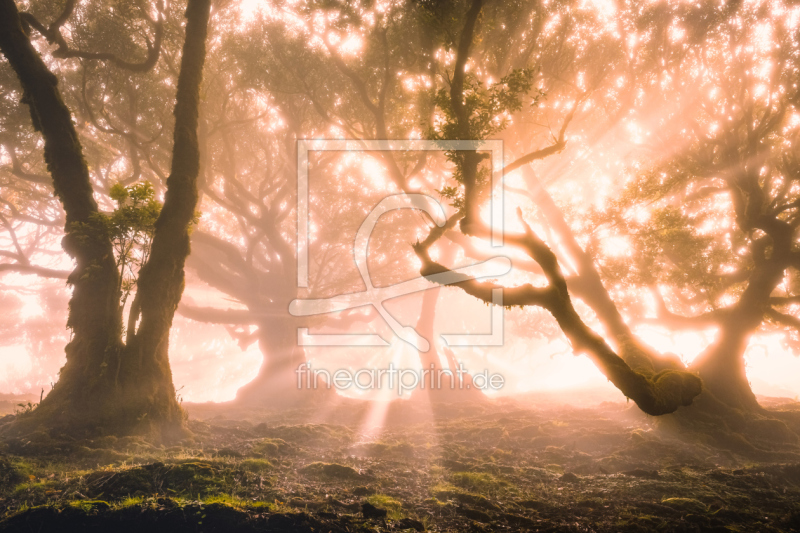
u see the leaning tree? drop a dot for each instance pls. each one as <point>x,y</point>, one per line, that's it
<point>468,111</point>
<point>707,212</point>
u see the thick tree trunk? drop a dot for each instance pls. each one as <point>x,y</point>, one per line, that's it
<point>106,387</point>
<point>85,380</point>
<point>721,366</point>
<point>276,384</point>
<point>722,369</point>
<point>145,371</point>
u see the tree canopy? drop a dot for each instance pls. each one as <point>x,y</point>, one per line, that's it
<point>650,177</point>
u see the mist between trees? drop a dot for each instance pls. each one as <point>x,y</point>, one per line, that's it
<point>149,159</point>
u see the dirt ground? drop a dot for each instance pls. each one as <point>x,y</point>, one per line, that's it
<point>529,464</point>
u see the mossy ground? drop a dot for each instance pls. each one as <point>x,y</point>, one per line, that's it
<point>465,467</point>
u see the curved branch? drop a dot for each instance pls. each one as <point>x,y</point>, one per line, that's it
<point>559,144</point>
<point>53,35</point>
<point>18,172</point>
<point>783,319</point>
<point>665,316</point>
<point>655,393</point>
<point>537,155</point>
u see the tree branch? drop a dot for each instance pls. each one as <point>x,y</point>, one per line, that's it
<point>655,394</point>
<point>559,144</point>
<point>54,36</point>
<point>33,269</point>
<point>783,318</point>
<point>213,315</point>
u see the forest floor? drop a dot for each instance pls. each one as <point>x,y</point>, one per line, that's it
<point>531,464</point>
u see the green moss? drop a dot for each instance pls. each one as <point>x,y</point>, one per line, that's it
<point>271,447</point>
<point>255,465</point>
<point>35,491</point>
<point>689,505</point>
<point>89,506</point>
<point>388,503</point>
<point>262,507</point>
<point>129,502</point>
<point>101,455</point>
<point>10,474</point>
<point>224,499</point>
<point>330,471</point>
<point>311,434</point>
<point>445,493</point>
<point>191,478</point>
<point>383,449</point>
<point>475,481</point>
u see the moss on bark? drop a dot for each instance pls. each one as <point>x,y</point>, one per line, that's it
<point>105,385</point>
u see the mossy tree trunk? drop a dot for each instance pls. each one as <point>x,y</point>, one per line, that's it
<point>106,386</point>
<point>145,370</point>
<point>96,326</point>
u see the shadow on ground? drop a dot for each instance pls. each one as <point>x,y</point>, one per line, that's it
<point>358,467</point>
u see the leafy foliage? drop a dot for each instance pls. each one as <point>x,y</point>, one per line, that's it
<point>131,227</point>
<point>488,110</point>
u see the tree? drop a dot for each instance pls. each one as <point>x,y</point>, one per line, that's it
<point>469,113</point>
<point>718,249</point>
<point>108,385</point>
<point>258,205</point>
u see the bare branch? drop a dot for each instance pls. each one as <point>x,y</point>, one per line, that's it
<point>783,319</point>
<point>18,172</point>
<point>559,144</point>
<point>784,300</point>
<point>54,36</point>
<point>33,269</point>
<point>666,317</point>
<point>217,316</point>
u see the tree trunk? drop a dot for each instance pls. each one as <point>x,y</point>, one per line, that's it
<point>276,384</point>
<point>722,369</point>
<point>76,400</point>
<point>440,387</point>
<point>721,366</point>
<point>106,387</point>
<point>427,316</point>
<point>146,375</point>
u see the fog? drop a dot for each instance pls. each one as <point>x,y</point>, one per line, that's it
<point>395,265</point>
<point>634,106</point>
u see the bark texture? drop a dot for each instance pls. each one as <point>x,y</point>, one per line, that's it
<point>93,319</point>
<point>107,386</point>
<point>162,278</point>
